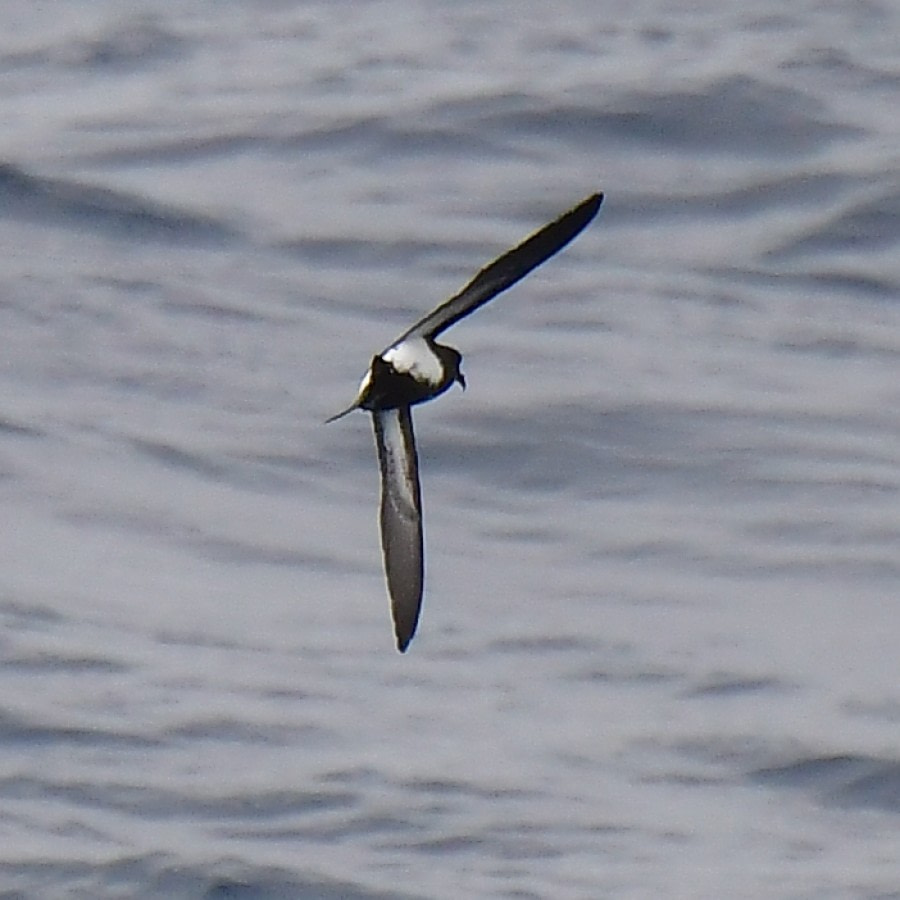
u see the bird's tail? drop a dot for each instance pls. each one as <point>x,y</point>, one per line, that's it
<point>344,412</point>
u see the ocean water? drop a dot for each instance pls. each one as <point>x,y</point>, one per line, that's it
<point>658,655</point>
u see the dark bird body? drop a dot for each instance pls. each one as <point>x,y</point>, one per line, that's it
<point>416,368</point>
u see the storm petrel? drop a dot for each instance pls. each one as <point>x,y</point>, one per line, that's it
<point>415,368</point>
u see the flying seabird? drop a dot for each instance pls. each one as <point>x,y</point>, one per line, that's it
<point>415,368</point>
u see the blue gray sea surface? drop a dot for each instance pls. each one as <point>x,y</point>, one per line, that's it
<point>658,655</point>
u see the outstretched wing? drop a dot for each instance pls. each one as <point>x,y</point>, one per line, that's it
<point>507,270</point>
<point>401,518</point>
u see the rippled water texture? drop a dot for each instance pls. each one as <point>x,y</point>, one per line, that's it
<point>658,652</point>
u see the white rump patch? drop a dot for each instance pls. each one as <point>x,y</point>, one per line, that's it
<point>366,381</point>
<point>414,357</point>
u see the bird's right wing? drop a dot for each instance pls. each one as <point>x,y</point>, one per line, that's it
<point>401,518</point>
<point>504,272</point>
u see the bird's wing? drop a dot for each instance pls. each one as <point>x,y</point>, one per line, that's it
<point>507,270</point>
<point>401,518</point>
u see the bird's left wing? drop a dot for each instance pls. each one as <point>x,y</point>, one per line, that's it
<point>505,271</point>
<point>401,518</point>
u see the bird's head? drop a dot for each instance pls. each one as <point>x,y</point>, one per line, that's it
<point>451,359</point>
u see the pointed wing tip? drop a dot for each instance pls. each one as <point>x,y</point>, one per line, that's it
<point>405,631</point>
<point>591,204</point>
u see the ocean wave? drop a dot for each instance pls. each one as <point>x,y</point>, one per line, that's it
<point>67,203</point>
<point>736,114</point>
<point>850,780</point>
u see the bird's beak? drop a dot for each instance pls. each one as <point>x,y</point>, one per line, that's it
<point>461,379</point>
